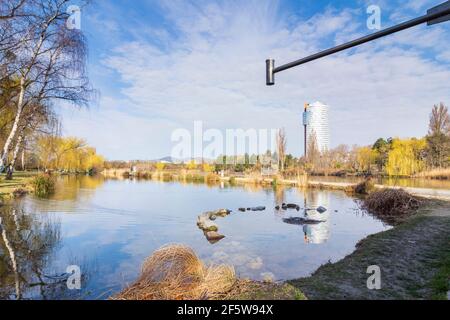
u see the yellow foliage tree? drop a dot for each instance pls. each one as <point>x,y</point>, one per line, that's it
<point>191,165</point>
<point>208,168</point>
<point>366,157</point>
<point>405,157</point>
<point>69,154</point>
<point>160,166</point>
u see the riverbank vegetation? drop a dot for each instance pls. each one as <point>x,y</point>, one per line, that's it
<point>413,257</point>
<point>391,205</point>
<point>43,185</point>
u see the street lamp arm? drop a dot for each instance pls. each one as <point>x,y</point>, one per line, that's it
<point>438,14</point>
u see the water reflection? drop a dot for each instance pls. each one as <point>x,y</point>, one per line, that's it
<point>109,227</point>
<point>317,233</point>
<point>26,248</point>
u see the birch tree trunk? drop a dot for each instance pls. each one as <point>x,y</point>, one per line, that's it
<point>16,150</point>
<point>15,127</point>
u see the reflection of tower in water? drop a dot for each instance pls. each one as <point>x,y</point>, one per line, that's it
<point>317,233</point>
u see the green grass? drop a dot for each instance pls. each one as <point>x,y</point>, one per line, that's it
<point>414,258</point>
<point>20,180</point>
<point>441,281</point>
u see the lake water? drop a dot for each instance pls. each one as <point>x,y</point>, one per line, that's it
<point>109,227</point>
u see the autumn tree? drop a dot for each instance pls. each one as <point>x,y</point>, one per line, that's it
<point>406,157</point>
<point>281,148</point>
<point>438,138</point>
<point>366,157</point>
<point>48,63</point>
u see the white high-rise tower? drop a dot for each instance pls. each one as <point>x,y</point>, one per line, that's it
<point>316,121</point>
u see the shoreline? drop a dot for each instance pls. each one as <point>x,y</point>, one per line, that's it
<point>303,182</point>
<point>21,181</point>
<point>414,258</point>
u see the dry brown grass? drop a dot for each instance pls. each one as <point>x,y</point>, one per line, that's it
<point>439,174</point>
<point>174,272</point>
<point>389,204</point>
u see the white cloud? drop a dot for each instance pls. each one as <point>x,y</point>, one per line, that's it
<point>213,71</point>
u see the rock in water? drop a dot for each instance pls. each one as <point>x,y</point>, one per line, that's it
<point>222,213</point>
<point>277,208</point>
<point>300,221</point>
<point>213,236</point>
<point>204,223</point>
<point>291,206</point>
<point>321,209</point>
<point>242,209</point>
<point>259,209</point>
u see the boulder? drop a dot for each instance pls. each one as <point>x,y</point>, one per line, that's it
<point>291,206</point>
<point>242,209</point>
<point>222,213</point>
<point>204,223</point>
<point>213,236</point>
<point>208,225</point>
<point>301,221</point>
<point>259,209</point>
<point>277,208</point>
<point>321,209</point>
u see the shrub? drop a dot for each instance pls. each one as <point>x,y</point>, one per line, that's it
<point>44,185</point>
<point>365,187</point>
<point>391,203</point>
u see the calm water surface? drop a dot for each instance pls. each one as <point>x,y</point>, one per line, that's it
<point>108,228</point>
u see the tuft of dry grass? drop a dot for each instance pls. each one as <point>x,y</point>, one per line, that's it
<point>389,204</point>
<point>174,272</point>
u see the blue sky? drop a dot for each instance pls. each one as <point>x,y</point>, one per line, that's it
<point>161,65</point>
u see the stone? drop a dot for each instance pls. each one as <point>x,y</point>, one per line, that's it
<point>242,209</point>
<point>204,223</point>
<point>321,209</point>
<point>300,221</point>
<point>291,206</point>
<point>259,209</point>
<point>222,212</point>
<point>213,236</point>
<point>277,208</point>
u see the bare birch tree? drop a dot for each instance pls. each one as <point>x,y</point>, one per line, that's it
<point>49,64</point>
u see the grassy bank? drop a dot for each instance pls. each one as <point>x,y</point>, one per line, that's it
<point>21,180</point>
<point>414,258</point>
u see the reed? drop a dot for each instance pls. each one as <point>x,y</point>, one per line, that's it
<point>44,185</point>
<point>438,174</point>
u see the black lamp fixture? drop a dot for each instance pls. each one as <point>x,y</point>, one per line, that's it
<point>435,15</point>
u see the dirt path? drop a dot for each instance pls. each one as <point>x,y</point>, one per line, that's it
<point>414,258</point>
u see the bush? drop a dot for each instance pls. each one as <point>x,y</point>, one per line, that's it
<point>391,203</point>
<point>44,185</point>
<point>365,187</point>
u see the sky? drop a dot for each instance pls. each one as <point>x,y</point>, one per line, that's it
<point>161,65</point>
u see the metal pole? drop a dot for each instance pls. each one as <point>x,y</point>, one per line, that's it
<point>435,15</point>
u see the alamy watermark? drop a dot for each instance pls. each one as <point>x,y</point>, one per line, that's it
<point>374,280</point>
<point>213,144</point>
<point>74,20</point>
<point>74,279</point>
<point>374,19</point>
